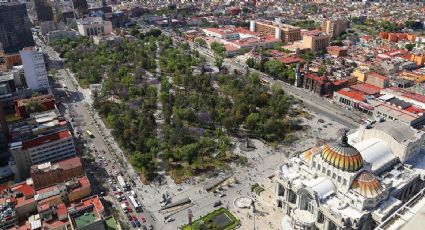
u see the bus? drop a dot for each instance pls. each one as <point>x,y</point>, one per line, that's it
<point>89,133</point>
<point>137,207</point>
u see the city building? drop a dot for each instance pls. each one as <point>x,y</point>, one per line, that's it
<point>16,202</point>
<point>34,68</point>
<point>87,214</point>
<point>337,51</point>
<point>286,33</point>
<point>378,80</point>
<point>43,10</point>
<point>15,27</point>
<point>48,148</point>
<point>47,174</point>
<point>316,41</point>
<point>334,27</point>
<point>356,183</point>
<point>93,26</point>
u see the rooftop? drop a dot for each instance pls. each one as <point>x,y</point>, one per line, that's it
<point>85,219</point>
<point>45,139</point>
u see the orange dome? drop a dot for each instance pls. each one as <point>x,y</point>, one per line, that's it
<point>342,156</point>
<point>367,185</point>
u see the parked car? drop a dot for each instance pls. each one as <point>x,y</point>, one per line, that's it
<point>217,203</point>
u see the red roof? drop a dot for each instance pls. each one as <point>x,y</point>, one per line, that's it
<point>414,96</point>
<point>414,109</point>
<point>61,209</point>
<point>377,75</point>
<point>367,89</point>
<point>290,60</point>
<point>46,139</point>
<point>356,95</point>
<point>70,163</point>
<point>25,189</point>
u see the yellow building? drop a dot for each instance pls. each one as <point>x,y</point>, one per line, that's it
<point>416,77</point>
<point>419,59</point>
<point>316,41</point>
<point>360,74</point>
<point>334,27</point>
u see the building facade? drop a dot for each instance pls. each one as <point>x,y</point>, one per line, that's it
<point>94,26</point>
<point>49,148</point>
<point>284,32</point>
<point>316,41</point>
<point>43,10</point>
<point>44,175</point>
<point>34,68</point>
<point>355,183</point>
<point>15,27</point>
<point>334,27</point>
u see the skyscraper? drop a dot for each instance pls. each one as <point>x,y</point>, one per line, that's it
<point>43,9</point>
<point>15,27</point>
<point>34,68</point>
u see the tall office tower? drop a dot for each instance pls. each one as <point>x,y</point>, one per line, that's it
<point>34,68</point>
<point>80,7</point>
<point>15,27</point>
<point>44,10</point>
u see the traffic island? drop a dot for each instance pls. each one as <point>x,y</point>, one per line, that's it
<point>220,219</point>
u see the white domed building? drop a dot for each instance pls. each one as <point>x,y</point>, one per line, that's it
<point>355,183</point>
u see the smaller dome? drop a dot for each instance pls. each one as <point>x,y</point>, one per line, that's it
<point>367,185</point>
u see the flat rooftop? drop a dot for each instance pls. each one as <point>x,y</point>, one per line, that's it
<point>85,219</point>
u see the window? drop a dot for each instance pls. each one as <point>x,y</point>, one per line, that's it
<point>314,164</point>
<point>334,176</point>
<point>319,166</point>
<point>344,182</point>
<point>339,179</point>
<point>323,170</point>
<point>328,173</point>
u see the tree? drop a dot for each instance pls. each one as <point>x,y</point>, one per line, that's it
<point>250,62</point>
<point>409,47</point>
<point>321,71</point>
<point>201,42</point>
<point>219,54</point>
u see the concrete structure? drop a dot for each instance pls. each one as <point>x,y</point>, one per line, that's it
<point>284,32</point>
<point>92,26</point>
<point>48,148</point>
<point>47,174</point>
<point>377,80</point>
<point>34,68</point>
<point>334,27</point>
<point>316,41</point>
<point>355,183</point>
<point>15,27</point>
<point>87,214</point>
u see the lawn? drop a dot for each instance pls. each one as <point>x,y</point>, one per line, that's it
<point>220,219</point>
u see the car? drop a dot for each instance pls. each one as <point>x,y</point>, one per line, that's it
<point>133,223</point>
<point>133,217</point>
<point>126,202</point>
<point>217,203</point>
<point>170,219</point>
<point>138,224</point>
<point>222,195</point>
<point>129,217</point>
<point>130,210</point>
<point>144,227</point>
<point>143,219</point>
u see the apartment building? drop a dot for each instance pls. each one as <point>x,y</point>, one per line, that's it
<point>334,27</point>
<point>34,68</point>
<point>48,148</point>
<point>48,173</point>
<point>284,32</point>
<point>316,41</point>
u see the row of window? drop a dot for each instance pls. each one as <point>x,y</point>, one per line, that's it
<point>328,173</point>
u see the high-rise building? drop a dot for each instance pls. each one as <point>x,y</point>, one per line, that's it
<point>44,10</point>
<point>48,148</point>
<point>334,27</point>
<point>34,68</point>
<point>15,27</point>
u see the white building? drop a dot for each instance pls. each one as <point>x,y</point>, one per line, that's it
<point>48,148</point>
<point>356,183</point>
<point>93,26</point>
<point>34,68</point>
